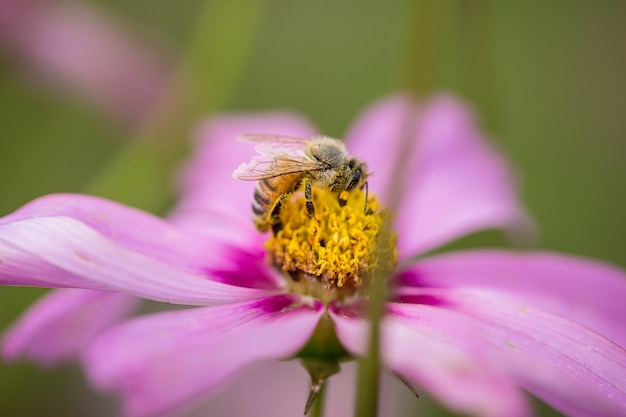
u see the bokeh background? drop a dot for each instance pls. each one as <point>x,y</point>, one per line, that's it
<point>545,78</point>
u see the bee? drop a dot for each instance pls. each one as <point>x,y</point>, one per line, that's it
<point>285,164</point>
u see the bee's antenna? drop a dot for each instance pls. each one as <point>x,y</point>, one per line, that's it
<point>366,195</point>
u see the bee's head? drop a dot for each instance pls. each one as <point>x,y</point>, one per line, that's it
<point>356,175</point>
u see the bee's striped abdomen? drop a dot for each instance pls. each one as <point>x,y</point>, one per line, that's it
<point>268,196</point>
<point>265,195</point>
<point>261,201</point>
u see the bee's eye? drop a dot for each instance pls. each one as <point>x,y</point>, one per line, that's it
<point>355,178</point>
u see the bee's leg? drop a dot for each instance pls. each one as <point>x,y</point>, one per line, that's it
<point>343,198</point>
<point>308,196</point>
<point>367,192</point>
<point>277,226</point>
<point>277,223</point>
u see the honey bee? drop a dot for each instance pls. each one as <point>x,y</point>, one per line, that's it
<point>285,164</point>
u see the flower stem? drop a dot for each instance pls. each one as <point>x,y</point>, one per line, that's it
<point>425,45</point>
<point>369,369</point>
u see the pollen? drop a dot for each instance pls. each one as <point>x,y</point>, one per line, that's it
<point>332,255</point>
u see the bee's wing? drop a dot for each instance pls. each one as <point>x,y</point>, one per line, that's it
<point>276,162</point>
<point>273,140</point>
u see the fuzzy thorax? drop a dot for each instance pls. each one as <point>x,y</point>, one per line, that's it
<point>332,255</point>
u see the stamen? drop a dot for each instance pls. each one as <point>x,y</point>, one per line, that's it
<point>330,256</point>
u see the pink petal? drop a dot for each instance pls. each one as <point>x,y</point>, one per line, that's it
<point>63,322</point>
<point>567,365</point>
<point>75,47</point>
<point>130,228</point>
<point>152,236</point>
<point>379,137</point>
<point>436,166</point>
<point>588,292</point>
<point>64,252</point>
<point>246,269</point>
<point>440,356</point>
<point>168,361</point>
<point>212,201</point>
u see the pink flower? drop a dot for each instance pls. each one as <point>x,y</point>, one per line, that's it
<point>83,50</point>
<point>475,329</point>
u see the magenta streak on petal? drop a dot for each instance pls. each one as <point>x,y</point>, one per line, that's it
<point>587,292</point>
<point>567,365</point>
<point>417,297</point>
<point>246,269</point>
<point>63,252</point>
<point>427,352</point>
<point>165,362</point>
<point>63,322</point>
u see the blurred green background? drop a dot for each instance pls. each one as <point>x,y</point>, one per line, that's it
<point>546,79</point>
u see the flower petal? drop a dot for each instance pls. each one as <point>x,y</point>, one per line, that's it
<point>379,137</point>
<point>439,355</point>
<point>152,236</point>
<point>567,365</point>
<point>167,361</point>
<point>588,292</point>
<point>80,48</point>
<point>63,322</point>
<point>440,174</point>
<point>130,228</point>
<point>214,202</point>
<point>64,252</point>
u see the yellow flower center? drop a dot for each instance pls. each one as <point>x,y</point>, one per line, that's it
<point>332,255</point>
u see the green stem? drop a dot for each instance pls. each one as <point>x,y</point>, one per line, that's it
<point>369,369</point>
<point>426,37</point>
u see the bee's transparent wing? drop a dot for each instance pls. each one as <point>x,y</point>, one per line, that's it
<point>273,140</point>
<point>273,162</point>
